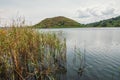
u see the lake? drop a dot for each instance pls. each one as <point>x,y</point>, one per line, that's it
<point>101,50</point>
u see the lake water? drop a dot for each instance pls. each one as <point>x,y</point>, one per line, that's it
<point>101,48</point>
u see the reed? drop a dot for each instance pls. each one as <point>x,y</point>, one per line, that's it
<point>26,54</point>
<point>79,61</point>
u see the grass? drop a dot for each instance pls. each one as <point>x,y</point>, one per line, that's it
<point>28,54</point>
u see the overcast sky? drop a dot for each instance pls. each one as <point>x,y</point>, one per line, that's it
<point>83,11</point>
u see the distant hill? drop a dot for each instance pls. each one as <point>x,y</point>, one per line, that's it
<point>113,22</point>
<point>63,22</point>
<point>57,22</point>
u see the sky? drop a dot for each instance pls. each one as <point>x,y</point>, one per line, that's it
<point>83,11</point>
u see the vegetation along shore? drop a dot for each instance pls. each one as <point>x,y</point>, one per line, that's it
<point>26,54</point>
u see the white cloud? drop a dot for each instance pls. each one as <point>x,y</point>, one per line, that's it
<point>37,10</point>
<point>94,11</point>
<point>108,11</point>
<point>93,14</point>
<point>83,13</point>
<point>6,16</point>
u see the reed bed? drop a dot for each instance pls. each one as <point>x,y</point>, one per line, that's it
<point>26,54</point>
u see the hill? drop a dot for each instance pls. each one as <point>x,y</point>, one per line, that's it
<point>57,22</point>
<point>113,22</point>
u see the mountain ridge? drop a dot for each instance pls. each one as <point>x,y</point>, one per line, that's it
<point>64,22</point>
<point>112,22</point>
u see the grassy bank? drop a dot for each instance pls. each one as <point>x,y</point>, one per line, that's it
<point>28,54</point>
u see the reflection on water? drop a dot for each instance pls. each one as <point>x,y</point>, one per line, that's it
<point>102,52</point>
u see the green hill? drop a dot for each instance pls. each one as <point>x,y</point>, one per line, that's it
<point>57,22</point>
<point>113,22</point>
<point>63,22</point>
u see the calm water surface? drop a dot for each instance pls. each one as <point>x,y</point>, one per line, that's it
<point>101,47</point>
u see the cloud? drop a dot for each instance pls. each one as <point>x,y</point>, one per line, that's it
<point>7,15</point>
<point>83,14</point>
<point>108,11</point>
<point>94,14</point>
<point>95,11</point>
<point>88,12</point>
<point>36,10</point>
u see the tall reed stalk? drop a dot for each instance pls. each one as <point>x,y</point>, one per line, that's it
<point>28,54</point>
